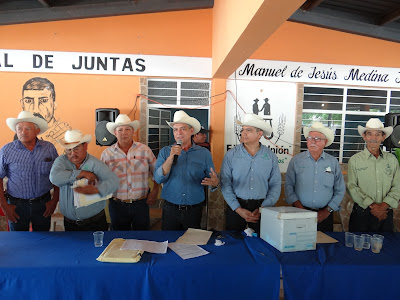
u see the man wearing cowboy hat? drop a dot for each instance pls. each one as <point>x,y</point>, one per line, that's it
<point>184,169</point>
<point>373,181</point>
<point>77,164</point>
<point>250,176</point>
<point>133,163</point>
<point>27,162</point>
<point>314,179</point>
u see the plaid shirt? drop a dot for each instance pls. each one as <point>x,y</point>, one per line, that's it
<point>133,169</point>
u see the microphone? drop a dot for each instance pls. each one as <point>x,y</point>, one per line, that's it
<point>179,143</point>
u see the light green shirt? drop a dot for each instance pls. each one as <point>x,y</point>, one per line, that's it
<point>374,180</point>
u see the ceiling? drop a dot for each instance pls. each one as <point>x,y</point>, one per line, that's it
<point>374,18</point>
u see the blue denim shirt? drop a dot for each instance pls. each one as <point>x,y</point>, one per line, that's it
<point>250,177</point>
<point>27,171</point>
<point>182,185</point>
<point>315,183</point>
<point>64,173</point>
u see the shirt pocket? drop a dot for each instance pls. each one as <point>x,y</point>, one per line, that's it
<point>45,167</point>
<point>328,179</point>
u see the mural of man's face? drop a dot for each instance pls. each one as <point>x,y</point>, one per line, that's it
<point>40,103</point>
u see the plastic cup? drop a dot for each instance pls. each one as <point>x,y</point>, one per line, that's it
<point>349,239</point>
<point>379,236</point>
<point>98,238</point>
<point>367,241</point>
<point>376,244</point>
<point>358,242</point>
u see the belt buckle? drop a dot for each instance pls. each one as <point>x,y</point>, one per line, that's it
<point>79,222</point>
<point>31,200</point>
<point>182,207</point>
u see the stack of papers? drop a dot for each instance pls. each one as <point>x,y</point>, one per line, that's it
<point>81,200</point>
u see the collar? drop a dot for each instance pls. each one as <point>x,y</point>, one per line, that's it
<point>19,145</point>
<point>116,148</point>
<point>321,156</point>
<point>368,154</point>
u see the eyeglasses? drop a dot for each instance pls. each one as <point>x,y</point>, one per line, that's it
<point>76,149</point>
<point>316,139</point>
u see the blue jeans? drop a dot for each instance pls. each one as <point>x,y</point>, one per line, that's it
<point>129,216</point>
<point>30,213</point>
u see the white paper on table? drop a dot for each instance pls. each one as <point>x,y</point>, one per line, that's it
<point>186,251</point>
<point>195,237</point>
<point>148,246</point>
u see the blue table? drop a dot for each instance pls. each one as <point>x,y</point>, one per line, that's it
<point>335,272</point>
<point>62,265</point>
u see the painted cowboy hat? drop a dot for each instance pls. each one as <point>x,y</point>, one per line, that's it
<point>122,120</point>
<point>27,116</point>
<point>255,121</point>
<point>73,138</point>
<point>181,117</point>
<point>319,127</point>
<point>375,124</point>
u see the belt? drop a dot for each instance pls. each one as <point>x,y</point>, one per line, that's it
<point>128,200</point>
<point>248,200</point>
<point>30,201</point>
<point>182,207</point>
<point>85,221</point>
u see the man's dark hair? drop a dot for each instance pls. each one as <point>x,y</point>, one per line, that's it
<point>39,83</point>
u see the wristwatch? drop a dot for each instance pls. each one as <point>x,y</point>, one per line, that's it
<point>329,209</point>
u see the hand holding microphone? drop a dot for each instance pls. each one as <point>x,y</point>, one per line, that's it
<point>178,143</point>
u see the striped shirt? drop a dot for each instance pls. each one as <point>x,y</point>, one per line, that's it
<point>133,169</point>
<point>27,171</point>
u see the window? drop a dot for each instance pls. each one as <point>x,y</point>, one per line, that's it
<point>343,109</point>
<point>179,92</point>
<point>158,130</point>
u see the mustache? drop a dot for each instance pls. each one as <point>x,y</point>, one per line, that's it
<point>373,142</point>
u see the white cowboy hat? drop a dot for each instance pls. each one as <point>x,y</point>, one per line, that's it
<point>73,138</point>
<point>122,120</point>
<point>27,116</point>
<point>319,127</point>
<point>181,117</point>
<point>257,122</point>
<point>375,124</point>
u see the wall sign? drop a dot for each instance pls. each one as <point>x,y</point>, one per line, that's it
<point>318,73</point>
<point>275,102</point>
<point>103,63</point>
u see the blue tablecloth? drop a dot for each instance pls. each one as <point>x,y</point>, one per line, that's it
<point>62,265</point>
<point>335,272</point>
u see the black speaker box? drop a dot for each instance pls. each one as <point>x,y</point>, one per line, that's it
<point>392,119</point>
<point>103,116</point>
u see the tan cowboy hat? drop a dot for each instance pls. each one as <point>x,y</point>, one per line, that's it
<point>27,116</point>
<point>255,121</point>
<point>122,120</point>
<point>375,124</point>
<point>319,127</point>
<point>73,138</point>
<point>181,117</point>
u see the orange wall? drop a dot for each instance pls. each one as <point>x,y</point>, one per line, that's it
<point>304,43</point>
<point>175,33</point>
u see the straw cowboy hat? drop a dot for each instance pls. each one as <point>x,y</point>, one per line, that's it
<point>181,117</point>
<point>319,127</point>
<point>73,138</point>
<point>375,124</point>
<point>255,121</point>
<point>122,120</point>
<point>27,116</point>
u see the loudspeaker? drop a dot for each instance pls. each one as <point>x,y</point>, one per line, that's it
<point>103,116</point>
<point>392,119</point>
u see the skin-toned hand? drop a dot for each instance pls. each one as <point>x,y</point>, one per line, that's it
<point>87,190</point>
<point>91,177</point>
<point>152,197</point>
<point>247,215</point>
<point>298,204</point>
<point>323,214</point>
<point>175,150</point>
<point>256,214</point>
<point>213,181</point>
<point>50,207</point>
<point>379,210</point>
<point>9,212</point>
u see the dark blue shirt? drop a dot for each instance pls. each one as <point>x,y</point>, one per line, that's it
<point>27,171</point>
<point>182,185</point>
